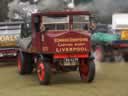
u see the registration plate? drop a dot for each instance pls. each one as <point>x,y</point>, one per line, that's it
<point>124,35</point>
<point>71,62</point>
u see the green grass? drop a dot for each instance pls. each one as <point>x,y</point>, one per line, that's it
<point>111,80</point>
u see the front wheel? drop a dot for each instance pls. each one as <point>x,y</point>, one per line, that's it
<point>87,70</point>
<point>43,72</point>
<point>24,61</point>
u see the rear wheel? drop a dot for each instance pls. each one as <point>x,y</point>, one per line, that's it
<point>87,70</point>
<point>24,61</point>
<point>43,72</point>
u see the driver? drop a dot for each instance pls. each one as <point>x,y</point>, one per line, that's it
<point>92,27</point>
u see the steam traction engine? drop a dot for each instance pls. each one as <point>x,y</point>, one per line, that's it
<point>56,41</point>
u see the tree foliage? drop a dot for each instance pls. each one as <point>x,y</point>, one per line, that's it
<point>4,9</point>
<point>81,1</point>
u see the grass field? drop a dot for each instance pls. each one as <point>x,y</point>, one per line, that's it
<point>111,80</point>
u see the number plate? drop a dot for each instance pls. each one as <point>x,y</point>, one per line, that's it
<point>70,62</point>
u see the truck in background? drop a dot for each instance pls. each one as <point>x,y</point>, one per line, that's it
<point>9,32</point>
<point>120,26</point>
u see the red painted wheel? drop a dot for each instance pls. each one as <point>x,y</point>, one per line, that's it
<point>87,70</point>
<point>19,63</point>
<point>24,61</point>
<point>43,72</point>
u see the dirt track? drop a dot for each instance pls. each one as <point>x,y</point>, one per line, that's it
<point>111,80</point>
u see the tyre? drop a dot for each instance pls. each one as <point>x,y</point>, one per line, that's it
<point>24,61</point>
<point>87,70</point>
<point>43,72</point>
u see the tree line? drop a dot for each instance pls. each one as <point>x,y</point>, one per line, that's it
<point>4,9</point>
